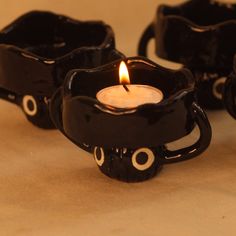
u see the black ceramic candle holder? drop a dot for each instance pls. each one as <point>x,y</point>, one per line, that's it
<point>201,35</point>
<point>230,92</point>
<point>129,144</point>
<point>39,48</point>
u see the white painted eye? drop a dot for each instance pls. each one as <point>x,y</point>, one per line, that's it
<point>143,159</point>
<point>99,156</point>
<point>29,105</point>
<point>218,88</point>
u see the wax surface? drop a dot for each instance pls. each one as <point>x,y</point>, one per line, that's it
<point>117,96</point>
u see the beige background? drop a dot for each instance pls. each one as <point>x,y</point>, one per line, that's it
<point>48,186</point>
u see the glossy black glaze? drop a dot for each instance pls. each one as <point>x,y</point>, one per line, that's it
<point>230,92</point>
<point>39,48</point>
<point>117,134</point>
<point>118,164</point>
<point>201,35</point>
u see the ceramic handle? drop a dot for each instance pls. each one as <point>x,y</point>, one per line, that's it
<point>197,148</point>
<point>148,34</point>
<point>230,95</point>
<point>55,104</point>
<point>55,108</point>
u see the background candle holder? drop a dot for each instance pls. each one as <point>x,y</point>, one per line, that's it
<point>39,48</point>
<point>129,144</point>
<point>230,92</point>
<point>201,35</point>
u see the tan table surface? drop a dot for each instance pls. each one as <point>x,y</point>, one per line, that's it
<point>48,186</point>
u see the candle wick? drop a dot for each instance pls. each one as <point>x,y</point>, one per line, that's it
<point>126,88</point>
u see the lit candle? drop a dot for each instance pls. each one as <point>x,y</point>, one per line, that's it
<point>128,95</point>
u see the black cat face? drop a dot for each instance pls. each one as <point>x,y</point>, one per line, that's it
<point>127,164</point>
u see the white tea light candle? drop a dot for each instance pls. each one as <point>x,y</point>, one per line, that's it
<point>117,96</point>
<point>128,95</point>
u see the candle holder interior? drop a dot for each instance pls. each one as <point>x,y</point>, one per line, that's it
<point>129,143</point>
<point>199,34</point>
<point>42,47</point>
<point>141,72</point>
<point>51,36</point>
<point>219,11</point>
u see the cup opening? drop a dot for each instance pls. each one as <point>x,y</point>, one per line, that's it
<point>51,36</point>
<point>203,13</point>
<point>89,83</point>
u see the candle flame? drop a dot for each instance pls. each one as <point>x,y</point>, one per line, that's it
<point>124,73</point>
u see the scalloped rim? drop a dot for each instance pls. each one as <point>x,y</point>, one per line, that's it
<point>107,41</point>
<point>120,111</point>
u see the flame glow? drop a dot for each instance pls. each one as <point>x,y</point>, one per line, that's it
<point>124,73</point>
